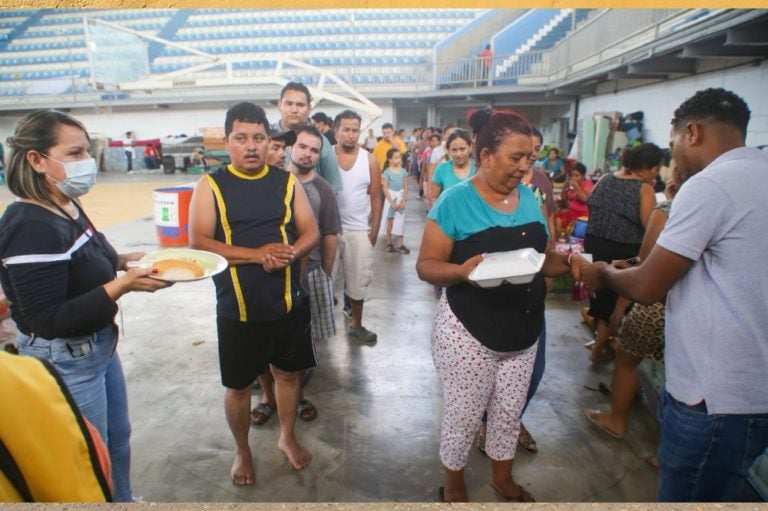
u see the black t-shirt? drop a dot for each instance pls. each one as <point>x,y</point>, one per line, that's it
<point>53,270</point>
<point>505,318</point>
<point>508,317</point>
<point>330,136</point>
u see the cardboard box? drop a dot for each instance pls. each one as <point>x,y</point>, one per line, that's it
<point>213,144</point>
<point>217,132</point>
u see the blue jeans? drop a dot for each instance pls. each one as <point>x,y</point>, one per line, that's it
<point>705,458</point>
<point>90,367</point>
<point>129,159</point>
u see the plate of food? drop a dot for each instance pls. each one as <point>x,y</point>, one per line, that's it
<point>514,267</point>
<point>183,264</point>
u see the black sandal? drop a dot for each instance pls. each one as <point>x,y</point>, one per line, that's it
<point>306,410</point>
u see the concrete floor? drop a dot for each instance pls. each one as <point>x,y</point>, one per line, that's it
<point>376,437</point>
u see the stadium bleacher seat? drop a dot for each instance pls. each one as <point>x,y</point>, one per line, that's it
<point>377,38</point>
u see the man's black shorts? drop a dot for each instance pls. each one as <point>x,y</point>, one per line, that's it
<point>246,349</point>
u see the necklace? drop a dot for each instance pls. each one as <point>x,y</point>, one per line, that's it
<point>506,199</point>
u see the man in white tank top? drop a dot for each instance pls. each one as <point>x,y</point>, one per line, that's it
<point>360,203</point>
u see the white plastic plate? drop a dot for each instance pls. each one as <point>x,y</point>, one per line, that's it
<point>515,267</point>
<point>211,263</point>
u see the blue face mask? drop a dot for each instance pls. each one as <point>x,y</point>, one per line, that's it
<point>81,176</point>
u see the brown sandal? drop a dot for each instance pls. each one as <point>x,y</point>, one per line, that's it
<point>481,439</point>
<point>526,441</point>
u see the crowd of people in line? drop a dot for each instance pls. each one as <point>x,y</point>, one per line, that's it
<point>678,282</point>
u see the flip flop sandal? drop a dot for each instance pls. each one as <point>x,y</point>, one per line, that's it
<point>601,388</point>
<point>526,441</point>
<point>523,497</point>
<point>261,414</point>
<point>590,415</point>
<point>306,410</point>
<point>441,496</point>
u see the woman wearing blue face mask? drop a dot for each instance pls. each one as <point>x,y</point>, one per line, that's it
<point>59,274</point>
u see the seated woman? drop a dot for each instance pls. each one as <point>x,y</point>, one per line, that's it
<point>151,157</point>
<point>574,198</point>
<point>554,165</point>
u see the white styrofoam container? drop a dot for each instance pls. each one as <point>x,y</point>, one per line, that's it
<point>515,267</point>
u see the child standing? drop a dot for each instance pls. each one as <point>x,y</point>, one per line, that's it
<point>395,185</point>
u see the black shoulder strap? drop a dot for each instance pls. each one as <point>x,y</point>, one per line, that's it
<point>11,471</point>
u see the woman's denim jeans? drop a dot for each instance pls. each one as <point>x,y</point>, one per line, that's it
<point>91,369</point>
<point>705,458</point>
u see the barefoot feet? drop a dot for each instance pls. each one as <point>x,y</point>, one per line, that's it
<point>242,468</point>
<point>297,456</point>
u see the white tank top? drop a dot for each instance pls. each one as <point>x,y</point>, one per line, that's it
<point>354,201</point>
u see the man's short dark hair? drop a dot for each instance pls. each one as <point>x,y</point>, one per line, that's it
<point>321,117</point>
<point>387,126</point>
<point>718,105</point>
<point>311,130</point>
<point>346,114</point>
<point>299,87</point>
<point>245,112</point>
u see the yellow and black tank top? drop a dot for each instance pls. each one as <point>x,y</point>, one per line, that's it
<point>253,210</point>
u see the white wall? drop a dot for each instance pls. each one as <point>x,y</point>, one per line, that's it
<point>155,123</point>
<point>658,102</point>
<point>414,116</point>
<point>549,121</point>
<point>159,123</point>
